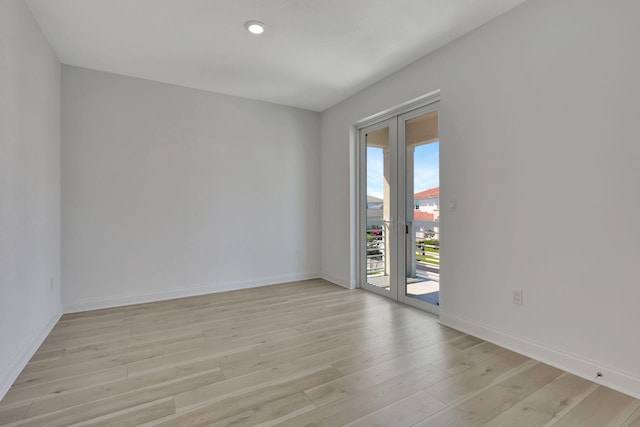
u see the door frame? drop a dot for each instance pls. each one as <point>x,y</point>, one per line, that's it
<point>428,102</point>
<point>392,235</point>
<point>403,208</point>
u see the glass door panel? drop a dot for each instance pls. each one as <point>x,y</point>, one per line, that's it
<point>400,196</point>
<point>421,151</point>
<point>380,214</point>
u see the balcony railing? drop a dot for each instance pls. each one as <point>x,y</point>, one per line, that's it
<point>376,257</point>
<point>428,254</point>
<point>425,254</point>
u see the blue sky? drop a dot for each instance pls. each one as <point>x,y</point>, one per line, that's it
<point>426,169</point>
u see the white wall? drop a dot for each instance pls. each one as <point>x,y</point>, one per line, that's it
<point>539,108</point>
<point>29,189</point>
<point>161,182</point>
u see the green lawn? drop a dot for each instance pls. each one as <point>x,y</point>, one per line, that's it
<point>435,251</point>
<point>429,259</point>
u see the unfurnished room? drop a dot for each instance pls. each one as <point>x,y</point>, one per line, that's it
<point>319,213</point>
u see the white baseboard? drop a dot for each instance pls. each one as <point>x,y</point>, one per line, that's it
<point>335,280</point>
<point>612,378</point>
<point>9,373</point>
<point>122,300</point>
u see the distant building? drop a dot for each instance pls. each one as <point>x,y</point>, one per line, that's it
<point>426,215</point>
<point>374,208</point>
<point>428,201</point>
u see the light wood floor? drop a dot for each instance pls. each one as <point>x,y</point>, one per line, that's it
<point>296,354</point>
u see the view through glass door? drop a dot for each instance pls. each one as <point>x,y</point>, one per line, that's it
<point>401,236</point>
<point>420,157</point>
<point>380,242</point>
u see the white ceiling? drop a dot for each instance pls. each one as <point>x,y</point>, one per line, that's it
<point>314,53</point>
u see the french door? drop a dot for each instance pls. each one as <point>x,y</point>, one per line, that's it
<point>400,208</point>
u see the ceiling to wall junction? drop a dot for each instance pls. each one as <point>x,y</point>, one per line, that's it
<point>313,54</point>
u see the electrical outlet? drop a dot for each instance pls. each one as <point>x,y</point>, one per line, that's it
<point>517,296</point>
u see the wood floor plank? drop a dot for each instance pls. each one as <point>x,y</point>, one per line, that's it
<point>10,413</point>
<point>97,351</point>
<point>633,420</point>
<point>384,352</point>
<point>356,406</point>
<point>301,339</point>
<point>45,356</point>
<point>546,404</point>
<point>62,368</point>
<point>377,315</point>
<point>130,344</point>
<point>134,416</point>
<point>125,385</point>
<point>417,337</point>
<point>471,380</point>
<point>252,381</point>
<point>57,374</point>
<point>468,358</point>
<point>267,411</point>
<point>211,344</point>
<point>362,380</point>
<point>310,343</point>
<point>173,359</point>
<point>487,404</point>
<point>59,386</point>
<point>235,367</point>
<point>405,412</point>
<point>604,407</point>
<point>230,407</point>
<point>120,402</point>
<point>294,354</point>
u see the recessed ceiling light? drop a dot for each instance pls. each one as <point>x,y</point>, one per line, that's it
<point>254,27</point>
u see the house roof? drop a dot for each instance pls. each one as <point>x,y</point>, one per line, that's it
<point>431,193</point>
<point>423,216</point>
<point>371,199</point>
